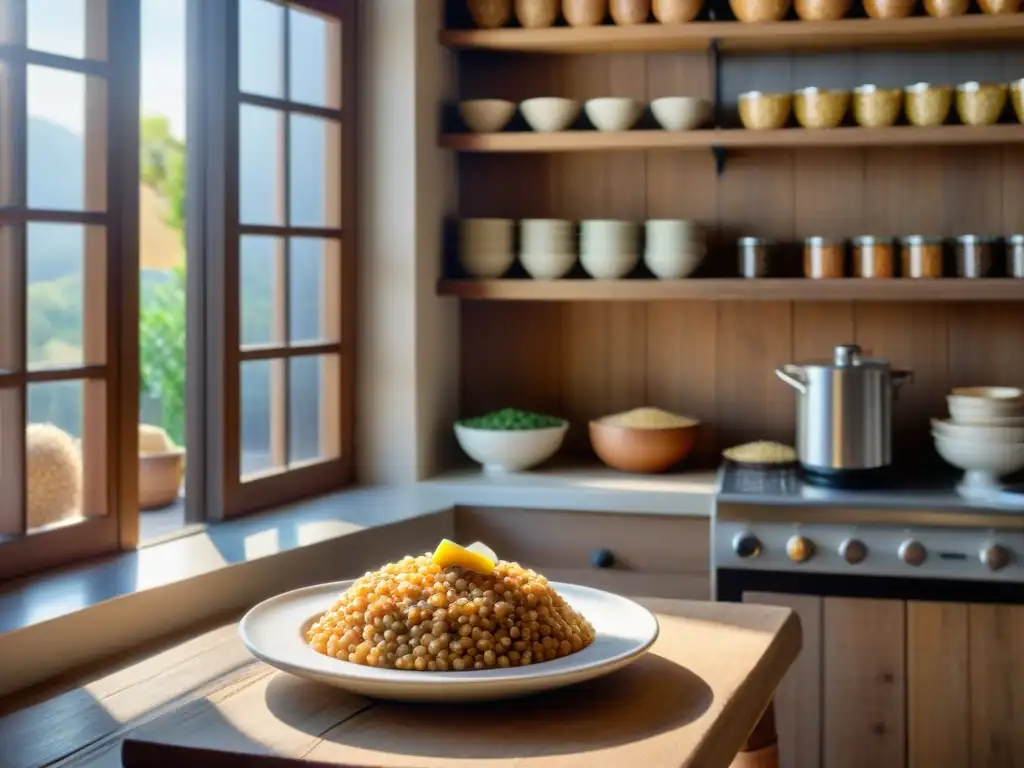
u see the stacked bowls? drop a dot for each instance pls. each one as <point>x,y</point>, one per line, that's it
<point>608,248</point>
<point>984,436</point>
<point>675,248</point>
<point>486,246</point>
<point>547,247</point>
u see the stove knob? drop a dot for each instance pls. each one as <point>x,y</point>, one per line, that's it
<point>913,553</point>
<point>853,551</point>
<point>995,557</point>
<point>800,549</point>
<point>746,545</point>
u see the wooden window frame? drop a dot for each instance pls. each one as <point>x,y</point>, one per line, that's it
<point>110,277</point>
<point>218,427</point>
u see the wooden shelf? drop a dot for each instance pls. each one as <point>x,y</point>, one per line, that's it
<point>736,289</point>
<point>845,34</point>
<point>787,138</point>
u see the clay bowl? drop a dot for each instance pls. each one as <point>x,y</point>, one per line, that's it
<point>643,451</point>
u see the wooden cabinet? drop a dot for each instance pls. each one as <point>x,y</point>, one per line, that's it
<point>646,555</point>
<point>891,683</point>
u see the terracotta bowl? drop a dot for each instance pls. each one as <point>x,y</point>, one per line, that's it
<point>644,451</point>
<point>160,477</point>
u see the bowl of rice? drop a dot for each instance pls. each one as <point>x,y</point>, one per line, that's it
<point>644,440</point>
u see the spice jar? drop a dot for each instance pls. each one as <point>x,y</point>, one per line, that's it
<point>823,258</point>
<point>973,256</point>
<point>753,256</point>
<point>921,257</point>
<point>873,257</point>
<point>1015,256</point>
<point>536,14</point>
<point>584,13</point>
<point>626,12</point>
<point>490,14</point>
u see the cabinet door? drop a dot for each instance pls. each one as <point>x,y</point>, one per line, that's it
<point>996,660</point>
<point>798,699</point>
<point>938,700</point>
<point>864,682</point>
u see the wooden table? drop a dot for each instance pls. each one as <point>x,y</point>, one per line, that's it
<point>692,701</point>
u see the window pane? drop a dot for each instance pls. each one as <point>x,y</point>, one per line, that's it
<point>315,54</point>
<point>260,48</point>
<point>53,453</point>
<point>256,289</point>
<point>62,174</point>
<point>10,462</point>
<point>259,147</point>
<point>304,408</point>
<point>313,286</point>
<point>257,454</point>
<point>315,167</point>
<point>58,26</point>
<point>56,291</point>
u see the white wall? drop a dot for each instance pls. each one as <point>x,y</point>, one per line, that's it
<point>407,381</point>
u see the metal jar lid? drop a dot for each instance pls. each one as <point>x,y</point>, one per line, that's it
<point>920,240</point>
<point>753,242</point>
<point>817,241</point>
<point>865,240</point>
<point>974,239</point>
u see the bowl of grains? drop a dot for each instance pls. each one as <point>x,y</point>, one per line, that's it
<point>457,624</point>
<point>644,440</point>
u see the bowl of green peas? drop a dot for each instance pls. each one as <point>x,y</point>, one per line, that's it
<point>510,440</point>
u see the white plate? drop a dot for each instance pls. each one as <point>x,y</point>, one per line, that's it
<point>274,631</point>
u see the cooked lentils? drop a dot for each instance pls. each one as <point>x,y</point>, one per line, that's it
<point>416,615</point>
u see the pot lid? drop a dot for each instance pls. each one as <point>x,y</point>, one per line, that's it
<point>848,356</point>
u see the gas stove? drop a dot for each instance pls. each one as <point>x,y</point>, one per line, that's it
<point>772,523</point>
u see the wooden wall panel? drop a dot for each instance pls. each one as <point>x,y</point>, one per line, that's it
<point>715,360</point>
<point>996,680</point>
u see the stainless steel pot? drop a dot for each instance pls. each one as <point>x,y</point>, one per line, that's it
<point>844,413</point>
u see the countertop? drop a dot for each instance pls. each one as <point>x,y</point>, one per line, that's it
<point>691,701</point>
<point>592,488</point>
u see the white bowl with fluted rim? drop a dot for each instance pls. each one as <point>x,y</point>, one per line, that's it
<point>510,450</point>
<point>548,114</point>
<point>984,463</point>
<point>978,432</point>
<point>681,113</point>
<point>486,115</point>
<point>613,113</point>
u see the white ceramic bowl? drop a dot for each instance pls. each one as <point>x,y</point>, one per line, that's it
<point>608,236</point>
<point>681,113</point>
<point>671,234</point>
<point>547,235</point>
<point>273,632</point>
<point>675,265</point>
<point>549,113</point>
<point>487,234</point>
<point>486,115</point>
<point>609,265</point>
<point>978,432</point>
<point>613,113</point>
<point>979,405</point>
<point>998,459</point>
<point>547,265</point>
<point>510,450</point>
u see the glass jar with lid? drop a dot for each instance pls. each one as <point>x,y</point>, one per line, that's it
<point>824,258</point>
<point>873,257</point>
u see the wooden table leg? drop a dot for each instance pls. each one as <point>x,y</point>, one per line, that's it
<point>761,749</point>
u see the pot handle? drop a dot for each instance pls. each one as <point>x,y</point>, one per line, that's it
<point>899,378</point>
<point>793,375</point>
